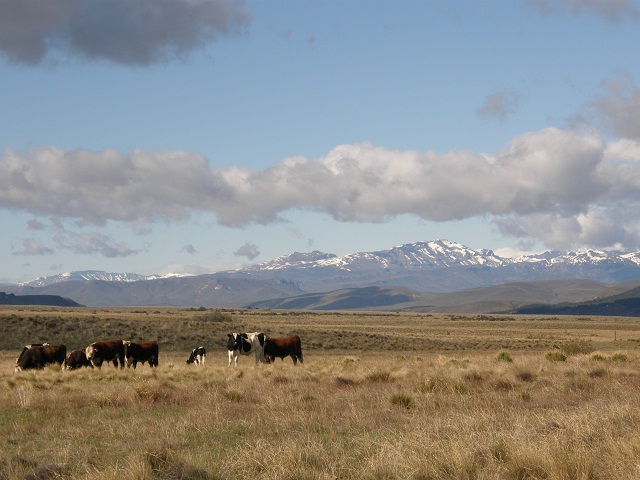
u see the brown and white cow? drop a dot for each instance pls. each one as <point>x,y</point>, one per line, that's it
<point>77,359</point>
<point>38,356</point>
<point>141,352</point>
<point>107,351</point>
<point>283,347</point>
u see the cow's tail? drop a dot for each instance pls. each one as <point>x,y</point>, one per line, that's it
<point>299,352</point>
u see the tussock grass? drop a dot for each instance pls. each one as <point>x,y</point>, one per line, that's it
<point>380,412</point>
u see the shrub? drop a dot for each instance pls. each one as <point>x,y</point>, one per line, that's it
<point>596,357</point>
<point>504,357</point>
<point>577,347</point>
<point>618,357</point>
<point>379,377</point>
<point>525,376</point>
<point>556,357</point>
<point>214,316</point>
<point>402,400</point>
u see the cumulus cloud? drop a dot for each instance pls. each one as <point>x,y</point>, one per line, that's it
<point>134,33</point>
<point>610,10</point>
<point>247,250</point>
<point>499,104</point>
<point>559,187</point>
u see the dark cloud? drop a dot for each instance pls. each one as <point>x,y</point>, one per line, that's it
<point>34,224</point>
<point>190,249</point>
<point>129,32</point>
<point>619,106</point>
<point>499,105</point>
<point>90,243</point>
<point>247,250</point>
<point>34,247</point>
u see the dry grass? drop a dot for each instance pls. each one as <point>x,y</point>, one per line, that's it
<point>374,400</point>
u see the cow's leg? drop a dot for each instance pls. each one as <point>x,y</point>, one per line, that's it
<point>294,358</point>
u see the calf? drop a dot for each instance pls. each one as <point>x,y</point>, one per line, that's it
<point>141,352</point>
<point>38,356</point>
<point>77,359</point>
<point>197,356</point>
<point>109,351</point>
<point>283,347</point>
<point>245,343</point>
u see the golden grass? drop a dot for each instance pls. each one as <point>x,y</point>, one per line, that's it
<point>375,399</point>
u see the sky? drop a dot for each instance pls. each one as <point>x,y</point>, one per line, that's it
<point>194,136</point>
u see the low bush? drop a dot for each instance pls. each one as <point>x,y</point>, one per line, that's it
<point>504,357</point>
<point>402,400</point>
<point>577,347</point>
<point>556,357</point>
<point>618,357</point>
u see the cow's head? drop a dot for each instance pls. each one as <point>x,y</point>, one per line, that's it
<point>233,342</point>
<point>90,352</point>
<point>192,357</point>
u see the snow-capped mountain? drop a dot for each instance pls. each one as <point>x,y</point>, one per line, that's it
<point>439,254</point>
<point>91,275</point>
<point>435,266</point>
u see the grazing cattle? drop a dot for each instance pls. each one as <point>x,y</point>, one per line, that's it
<point>77,359</point>
<point>245,343</point>
<point>107,351</point>
<point>141,352</point>
<point>26,347</point>
<point>283,347</point>
<point>38,356</point>
<point>197,356</point>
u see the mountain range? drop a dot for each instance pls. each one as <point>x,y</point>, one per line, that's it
<point>428,276</point>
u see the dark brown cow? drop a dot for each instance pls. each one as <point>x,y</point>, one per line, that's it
<point>141,352</point>
<point>77,359</point>
<point>38,356</point>
<point>109,351</point>
<point>283,347</point>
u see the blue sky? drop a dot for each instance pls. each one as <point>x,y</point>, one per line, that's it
<point>192,136</point>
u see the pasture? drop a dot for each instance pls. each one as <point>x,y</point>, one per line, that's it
<point>379,396</point>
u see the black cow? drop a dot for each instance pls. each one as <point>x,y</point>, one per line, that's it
<point>141,352</point>
<point>77,359</point>
<point>197,356</point>
<point>38,356</point>
<point>283,347</point>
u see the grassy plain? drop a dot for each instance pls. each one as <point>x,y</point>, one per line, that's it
<point>379,396</point>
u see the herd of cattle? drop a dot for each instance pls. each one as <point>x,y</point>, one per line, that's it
<point>119,352</point>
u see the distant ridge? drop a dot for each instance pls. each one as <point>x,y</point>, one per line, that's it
<point>626,304</point>
<point>49,300</point>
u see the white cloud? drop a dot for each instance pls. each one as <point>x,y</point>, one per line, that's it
<point>120,31</point>
<point>559,177</point>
